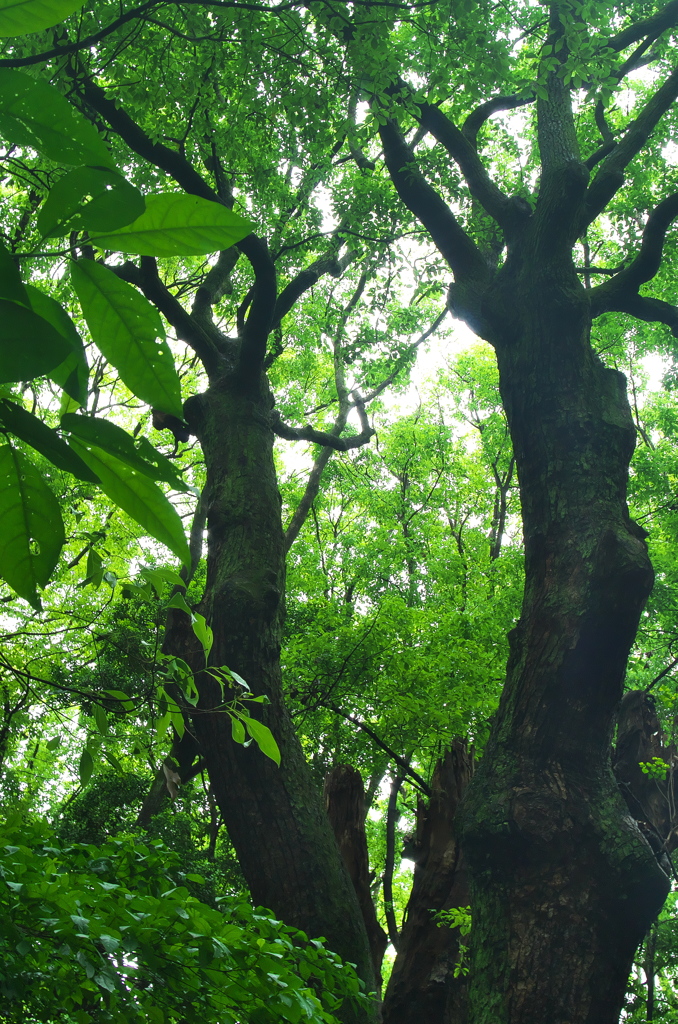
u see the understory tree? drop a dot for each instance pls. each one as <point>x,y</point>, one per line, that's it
<point>370,150</point>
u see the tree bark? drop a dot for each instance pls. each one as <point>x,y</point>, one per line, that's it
<point>423,986</point>
<point>345,806</point>
<point>564,884</point>
<point>274,816</point>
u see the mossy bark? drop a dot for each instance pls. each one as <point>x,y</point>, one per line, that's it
<point>274,815</point>
<point>564,885</point>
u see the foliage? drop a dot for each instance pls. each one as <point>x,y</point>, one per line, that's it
<point>102,932</point>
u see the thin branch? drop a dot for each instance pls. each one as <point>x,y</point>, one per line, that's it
<point>457,248</point>
<point>259,320</point>
<point>306,279</point>
<point>405,356</point>
<point>610,176</point>
<point>664,672</point>
<point>495,202</point>
<point>308,433</point>
<point>392,816</point>
<point>620,293</point>
<point>402,762</point>
<point>477,118</point>
<point>186,327</point>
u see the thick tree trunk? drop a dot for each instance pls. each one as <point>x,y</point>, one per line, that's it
<point>274,816</point>
<point>345,806</point>
<point>423,986</point>
<point>564,884</point>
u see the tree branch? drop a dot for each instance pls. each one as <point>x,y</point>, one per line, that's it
<point>620,293</point>
<point>402,762</point>
<point>463,152</point>
<point>645,308</point>
<point>187,329</point>
<point>305,279</point>
<point>610,176</point>
<point>477,118</point>
<point>259,320</point>
<point>457,248</point>
<point>652,26</point>
<point>308,433</point>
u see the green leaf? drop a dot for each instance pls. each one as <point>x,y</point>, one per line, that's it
<point>54,742</point>
<point>20,16</point>
<point>237,730</point>
<point>163,574</point>
<point>31,528</point>
<point>139,497</point>
<point>94,572</point>
<point>179,601</point>
<point>116,441</point>
<point>85,767</point>
<point>73,374</point>
<point>11,285</point>
<point>101,719</point>
<point>263,737</point>
<point>124,698</point>
<point>45,440</point>
<point>176,224</point>
<point>203,633</point>
<point>164,469</point>
<point>125,327</point>
<point>114,202</point>
<point>34,114</point>
<point>29,345</point>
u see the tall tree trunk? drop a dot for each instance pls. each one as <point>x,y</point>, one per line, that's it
<point>423,986</point>
<point>274,815</point>
<point>345,806</point>
<point>564,884</point>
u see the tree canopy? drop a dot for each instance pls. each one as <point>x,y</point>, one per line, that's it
<point>287,603</point>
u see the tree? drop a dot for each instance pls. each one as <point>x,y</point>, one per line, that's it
<point>551,850</point>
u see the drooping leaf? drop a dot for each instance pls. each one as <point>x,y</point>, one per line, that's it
<point>139,497</point>
<point>162,574</point>
<point>101,719</point>
<point>114,202</point>
<point>129,332</point>
<point>45,440</point>
<point>34,114</point>
<point>263,737</point>
<point>20,16</point>
<point>85,767</point>
<point>203,632</point>
<point>179,601</point>
<point>116,441</point>
<point>31,528</point>
<point>164,469</point>
<point>29,345</point>
<point>237,730</point>
<point>11,285</point>
<point>94,572</point>
<point>175,224</point>
<point>73,374</point>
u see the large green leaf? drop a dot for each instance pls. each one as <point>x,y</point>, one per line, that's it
<point>73,374</point>
<point>20,16</point>
<point>128,331</point>
<point>45,440</point>
<point>116,441</point>
<point>29,345</point>
<point>139,497</point>
<point>112,202</point>
<point>11,285</point>
<point>34,114</point>
<point>176,224</point>
<point>31,528</point>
